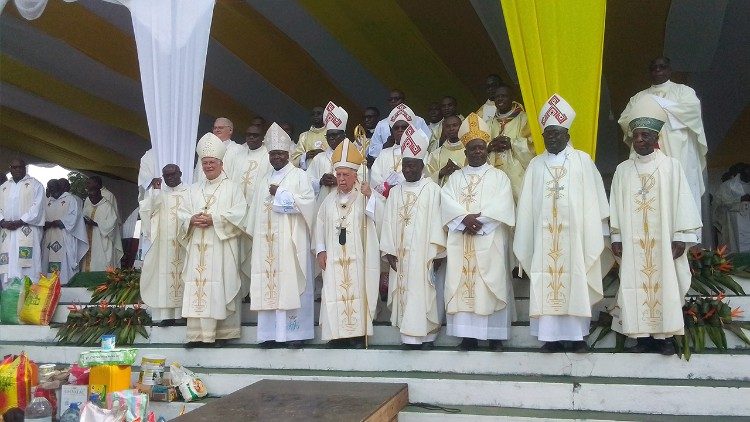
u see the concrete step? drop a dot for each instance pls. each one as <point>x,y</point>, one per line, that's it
<point>384,335</point>
<point>441,361</point>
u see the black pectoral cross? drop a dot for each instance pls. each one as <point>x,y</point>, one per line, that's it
<point>342,235</point>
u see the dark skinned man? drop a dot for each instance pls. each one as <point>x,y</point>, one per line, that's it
<point>312,142</point>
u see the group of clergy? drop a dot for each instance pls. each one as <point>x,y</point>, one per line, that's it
<point>46,231</point>
<point>442,224</point>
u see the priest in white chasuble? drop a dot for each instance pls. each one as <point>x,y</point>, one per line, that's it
<point>511,147</point>
<point>477,208</point>
<point>102,228</point>
<point>682,136</point>
<point>163,261</point>
<point>279,220</point>
<point>413,240</point>
<point>65,242</point>
<point>653,219</point>
<point>22,204</point>
<point>346,244</point>
<point>211,227</point>
<point>559,238</point>
<point>249,162</point>
<point>311,142</point>
<point>320,170</point>
<point>448,157</point>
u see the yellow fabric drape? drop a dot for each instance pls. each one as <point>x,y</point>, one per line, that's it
<point>557,47</point>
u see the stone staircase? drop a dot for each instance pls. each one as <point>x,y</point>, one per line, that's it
<point>518,384</point>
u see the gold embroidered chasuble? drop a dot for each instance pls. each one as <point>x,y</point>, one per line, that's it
<point>246,166</point>
<point>439,158</point>
<point>478,266</point>
<point>413,234</point>
<point>385,169</point>
<point>63,249</point>
<point>315,138</point>
<point>651,206</point>
<point>161,275</point>
<point>211,273</point>
<point>105,239</point>
<point>559,237</point>
<point>280,227</point>
<point>351,277</point>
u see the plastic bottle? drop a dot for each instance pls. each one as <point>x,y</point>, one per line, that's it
<point>39,410</point>
<point>73,414</point>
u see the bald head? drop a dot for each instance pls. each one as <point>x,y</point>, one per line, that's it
<point>223,128</point>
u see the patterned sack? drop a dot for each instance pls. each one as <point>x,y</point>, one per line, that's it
<point>41,301</point>
<point>17,375</point>
<point>11,300</point>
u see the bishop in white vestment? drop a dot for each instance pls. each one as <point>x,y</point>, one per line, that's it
<point>653,219</point>
<point>413,241</point>
<point>561,222</point>
<point>279,221</point>
<point>22,204</point>
<point>212,223</point>
<point>161,274</point>
<point>477,208</point>
<point>320,170</point>
<point>102,229</point>
<point>346,245</point>
<point>65,242</point>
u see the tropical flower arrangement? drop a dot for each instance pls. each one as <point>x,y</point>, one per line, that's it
<point>705,315</point>
<point>123,286</point>
<point>85,325</point>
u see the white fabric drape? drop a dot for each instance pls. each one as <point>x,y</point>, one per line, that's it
<point>172,41</point>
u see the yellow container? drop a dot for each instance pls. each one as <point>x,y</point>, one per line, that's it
<point>105,379</point>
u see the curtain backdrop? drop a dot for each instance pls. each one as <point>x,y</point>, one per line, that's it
<point>172,40</point>
<point>558,48</point>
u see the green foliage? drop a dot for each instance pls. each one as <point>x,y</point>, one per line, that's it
<point>123,286</point>
<point>86,325</point>
<point>77,184</point>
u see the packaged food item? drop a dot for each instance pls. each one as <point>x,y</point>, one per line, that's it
<point>106,379</point>
<point>188,384</point>
<point>111,357</point>
<point>162,393</point>
<point>134,401</point>
<point>40,301</point>
<point>11,300</point>
<point>93,413</point>
<point>19,374</point>
<point>152,369</point>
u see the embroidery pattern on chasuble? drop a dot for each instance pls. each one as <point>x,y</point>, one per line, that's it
<point>199,301</point>
<point>271,294</point>
<point>405,213</point>
<point>349,317</point>
<point>248,177</point>
<point>175,283</point>
<point>650,283</point>
<point>89,234</point>
<point>469,271</point>
<point>557,294</point>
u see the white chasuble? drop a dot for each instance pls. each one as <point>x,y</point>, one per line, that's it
<point>63,249</point>
<point>161,274</point>
<point>478,278</point>
<point>320,165</point>
<point>281,275</point>
<point>105,239</point>
<point>413,234</point>
<point>20,254</point>
<point>651,205</point>
<point>350,279</point>
<point>682,136</point>
<point>246,166</point>
<point>385,174</point>
<point>559,239</point>
<point>211,275</point>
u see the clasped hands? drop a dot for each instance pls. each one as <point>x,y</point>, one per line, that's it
<point>201,220</point>
<point>472,225</point>
<point>678,248</point>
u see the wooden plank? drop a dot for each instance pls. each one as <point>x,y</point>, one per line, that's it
<point>290,400</point>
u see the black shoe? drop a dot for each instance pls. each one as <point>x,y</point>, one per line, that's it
<point>180,321</point>
<point>642,345</point>
<point>357,343</point>
<point>269,344</point>
<point>552,347</point>
<point>666,347</point>
<point>339,343</point>
<point>405,346</point>
<point>219,343</point>
<point>295,344</point>
<point>165,323</point>
<point>246,299</point>
<point>468,344</point>
<point>495,345</point>
<point>192,344</point>
<point>428,345</point>
<point>578,347</point>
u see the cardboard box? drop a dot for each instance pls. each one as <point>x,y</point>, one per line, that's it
<point>72,394</point>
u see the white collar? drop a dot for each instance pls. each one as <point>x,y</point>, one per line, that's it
<point>648,158</point>
<point>475,170</point>
<point>221,177</point>
<point>559,158</point>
